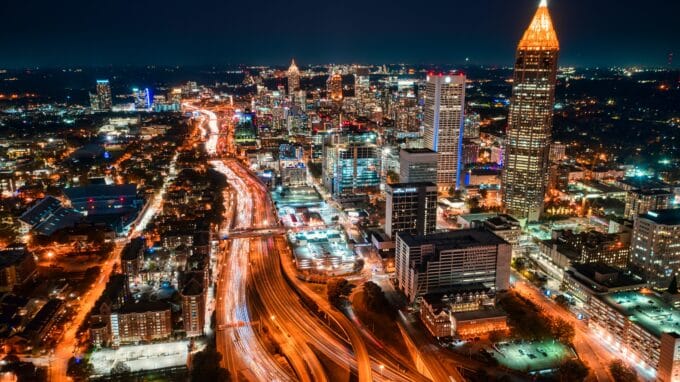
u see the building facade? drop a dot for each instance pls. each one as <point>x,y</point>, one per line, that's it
<point>334,86</point>
<point>351,163</point>
<point>293,78</point>
<point>639,201</point>
<point>444,120</point>
<point>417,165</point>
<point>411,207</point>
<point>432,263</point>
<point>655,246</point>
<point>530,119</point>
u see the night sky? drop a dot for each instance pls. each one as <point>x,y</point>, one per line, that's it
<point>140,32</point>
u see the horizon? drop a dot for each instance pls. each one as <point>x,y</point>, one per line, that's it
<point>487,33</point>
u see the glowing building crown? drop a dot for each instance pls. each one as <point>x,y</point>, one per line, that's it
<point>293,67</point>
<point>540,35</point>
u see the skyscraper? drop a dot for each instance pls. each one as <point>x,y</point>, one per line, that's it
<point>530,118</point>
<point>293,78</point>
<point>410,207</point>
<point>334,86</point>
<point>444,121</point>
<point>102,99</point>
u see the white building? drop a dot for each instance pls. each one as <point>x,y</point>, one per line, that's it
<point>444,125</point>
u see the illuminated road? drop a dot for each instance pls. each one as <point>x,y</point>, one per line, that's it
<point>236,339</point>
<point>67,346</point>
<point>299,333</point>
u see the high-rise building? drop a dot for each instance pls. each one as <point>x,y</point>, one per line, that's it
<point>655,246</point>
<point>193,307</point>
<point>411,207</point>
<point>472,123</point>
<point>441,261</point>
<point>334,86</point>
<point>142,98</point>
<point>132,258</point>
<point>558,152</point>
<point>530,118</point>
<point>417,165</point>
<point>293,78</point>
<point>351,163</point>
<point>444,121</point>
<point>101,100</point>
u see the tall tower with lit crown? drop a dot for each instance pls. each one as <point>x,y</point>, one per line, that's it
<point>530,118</point>
<point>293,78</point>
<point>334,86</point>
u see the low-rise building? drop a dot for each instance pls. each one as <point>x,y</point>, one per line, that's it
<point>584,281</point>
<point>641,327</point>
<point>567,247</point>
<point>656,246</point>
<point>463,312</point>
<point>17,266</point>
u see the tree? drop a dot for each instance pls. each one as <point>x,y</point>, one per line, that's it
<point>456,194</point>
<point>673,286</point>
<point>392,177</point>
<point>79,369</point>
<point>337,289</point>
<point>573,370</point>
<point>205,366</point>
<point>120,368</point>
<point>622,372</point>
<point>314,169</point>
<point>562,301</point>
<point>562,330</point>
<point>375,298</point>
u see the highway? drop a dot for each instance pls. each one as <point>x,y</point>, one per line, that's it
<point>297,330</point>
<point>236,340</point>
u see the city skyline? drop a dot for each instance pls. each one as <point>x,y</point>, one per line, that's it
<point>340,221</point>
<point>75,34</point>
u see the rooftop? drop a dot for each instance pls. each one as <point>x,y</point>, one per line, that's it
<point>458,239</point>
<point>665,217</point>
<point>418,151</point>
<point>132,249</point>
<point>101,190</point>
<point>540,34</point>
<point>9,257</point>
<point>646,310</point>
<point>143,307</point>
<point>411,185</point>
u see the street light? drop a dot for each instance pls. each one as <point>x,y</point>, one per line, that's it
<point>382,367</point>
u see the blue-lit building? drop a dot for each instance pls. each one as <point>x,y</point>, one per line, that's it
<point>351,163</point>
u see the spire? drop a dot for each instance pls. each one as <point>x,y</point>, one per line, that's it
<point>293,67</point>
<point>540,34</point>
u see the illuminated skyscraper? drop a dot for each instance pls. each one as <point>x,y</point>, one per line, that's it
<point>443,121</point>
<point>102,99</point>
<point>293,78</point>
<point>142,98</point>
<point>530,118</point>
<point>334,86</point>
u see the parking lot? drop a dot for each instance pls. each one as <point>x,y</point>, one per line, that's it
<point>532,356</point>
